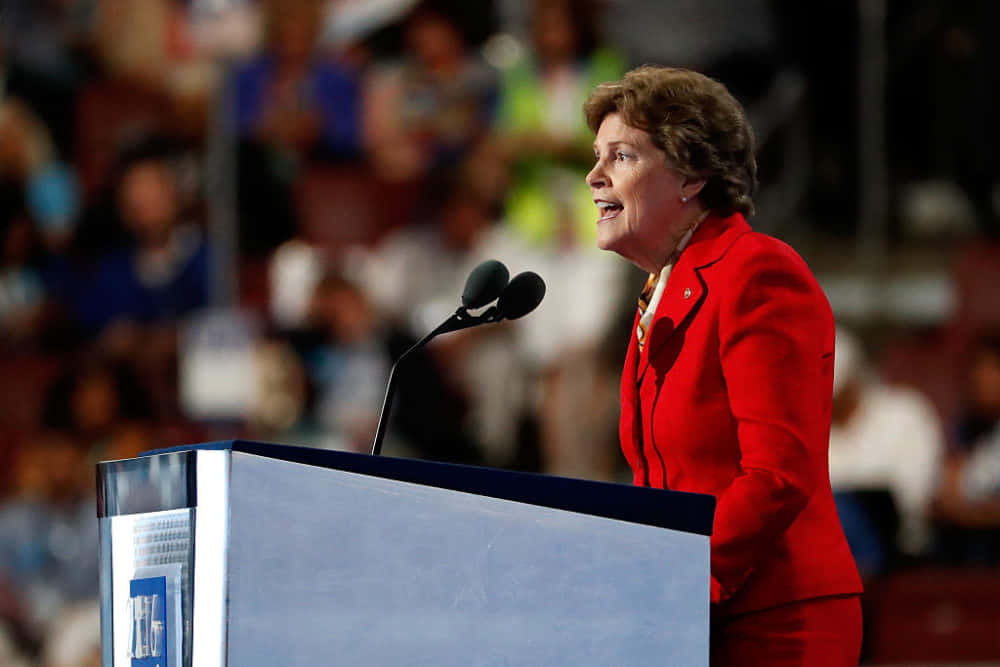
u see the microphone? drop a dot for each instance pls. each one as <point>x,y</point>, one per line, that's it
<point>523,294</point>
<point>488,282</point>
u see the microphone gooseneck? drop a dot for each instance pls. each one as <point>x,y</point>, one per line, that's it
<point>383,418</point>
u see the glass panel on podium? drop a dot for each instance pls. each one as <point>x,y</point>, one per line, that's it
<point>147,523</point>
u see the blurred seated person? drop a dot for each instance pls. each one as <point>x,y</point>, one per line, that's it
<point>429,110</point>
<point>133,295</point>
<point>886,443</point>
<point>38,202</point>
<point>48,537</point>
<point>22,294</point>
<point>291,99</point>
<point>277,410</point>
<point>52,492</point>
<point>290,105</point>
<point>969,502</point>
<point>75,640</point>
<point>540,130</point>
<point>30,165</point>
<point>164,45</point>
<point>348,364</point>
<point>100,405</point>
<point>349,367</point>
<point>44,59</point>
<point>95,410</point>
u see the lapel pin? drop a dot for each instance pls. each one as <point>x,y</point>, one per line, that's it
<point>687,293</point>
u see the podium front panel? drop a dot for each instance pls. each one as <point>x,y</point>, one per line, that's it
<point>331,567</point>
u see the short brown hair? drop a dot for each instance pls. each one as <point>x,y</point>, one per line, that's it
<point>695,121</point>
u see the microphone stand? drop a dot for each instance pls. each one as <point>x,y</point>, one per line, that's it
<point>461,319</point>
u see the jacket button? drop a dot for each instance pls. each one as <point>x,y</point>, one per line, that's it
<point>687,293</point>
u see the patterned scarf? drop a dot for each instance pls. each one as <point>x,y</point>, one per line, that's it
<point>649,298</point>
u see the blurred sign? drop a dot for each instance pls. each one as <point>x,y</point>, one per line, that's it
<point>217,364</point>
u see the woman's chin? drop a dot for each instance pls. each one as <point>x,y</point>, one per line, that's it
<point>605,236</point>
<point>607,240</point>
<point>619,246</point>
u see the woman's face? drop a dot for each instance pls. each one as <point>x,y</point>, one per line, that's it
<point>638,195</point>
<point>295,36</point>
<point>554,33</point>
<point>148,200</point>
<point>985,382</point>
<point>95,402</point>
<point>435,41</point>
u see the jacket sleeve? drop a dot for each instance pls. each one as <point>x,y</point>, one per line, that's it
<point>775,347</point>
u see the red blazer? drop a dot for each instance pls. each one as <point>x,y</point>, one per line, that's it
<point>731,396</point>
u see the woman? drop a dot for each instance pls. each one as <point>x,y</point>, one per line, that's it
<point>728,378</point>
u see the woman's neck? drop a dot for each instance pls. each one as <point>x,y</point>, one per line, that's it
<point>680,240</point>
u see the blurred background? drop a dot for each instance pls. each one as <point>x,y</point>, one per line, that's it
<point>224,218</point>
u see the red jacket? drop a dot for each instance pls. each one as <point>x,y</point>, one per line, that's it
<point>731,396</point>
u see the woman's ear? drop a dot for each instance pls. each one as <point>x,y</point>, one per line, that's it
<point>691,188</point>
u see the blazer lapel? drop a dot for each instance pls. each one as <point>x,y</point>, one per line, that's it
<point>686,288</point>
<point>630,391</point>
<point>629,403</point>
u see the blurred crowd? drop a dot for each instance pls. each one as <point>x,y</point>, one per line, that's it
<point>357,159</point>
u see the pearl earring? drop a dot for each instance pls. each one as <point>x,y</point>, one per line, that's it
<point>684,199</point>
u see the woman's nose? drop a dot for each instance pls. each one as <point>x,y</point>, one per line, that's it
<point>596,177</point>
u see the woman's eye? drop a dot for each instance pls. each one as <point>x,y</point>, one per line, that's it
<point>621,157</point>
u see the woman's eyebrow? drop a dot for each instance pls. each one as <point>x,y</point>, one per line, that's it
<point>613,144</point>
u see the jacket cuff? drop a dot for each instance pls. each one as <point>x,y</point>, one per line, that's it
<point>716,591</point>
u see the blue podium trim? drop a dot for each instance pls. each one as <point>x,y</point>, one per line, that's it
<point>676,510</point>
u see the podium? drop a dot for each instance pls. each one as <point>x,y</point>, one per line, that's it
<point>242,553</point>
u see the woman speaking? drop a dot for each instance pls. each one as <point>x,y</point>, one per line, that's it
<point>728,378</point>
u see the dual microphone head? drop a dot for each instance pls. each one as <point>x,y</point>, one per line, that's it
<point>515,297</point>
<point>488,282</point>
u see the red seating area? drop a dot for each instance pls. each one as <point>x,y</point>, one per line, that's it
<point>977,277</point>
<point>340,206</point>
<point>107,113</point>
<point>933,616</point>
<point>933,360</point>
<point>26,378</point>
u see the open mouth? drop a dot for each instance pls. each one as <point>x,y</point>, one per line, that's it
<point>608,209</point>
